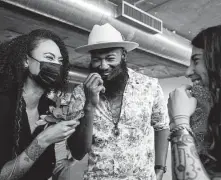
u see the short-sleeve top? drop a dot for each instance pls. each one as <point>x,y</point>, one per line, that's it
<point>130,155</point>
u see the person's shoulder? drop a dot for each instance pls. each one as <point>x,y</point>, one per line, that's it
<point>4,102</point>
<point>7,102</point>
<point>142,78</point>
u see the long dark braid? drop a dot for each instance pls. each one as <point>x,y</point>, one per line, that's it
<point>18,121</point>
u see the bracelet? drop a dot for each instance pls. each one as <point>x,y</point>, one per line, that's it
<point>164,168</point>
<point>177,134</point>
<point>175,130</point>
<point>179,116</point>
<point>173,125</point>
<point>173,119</point>
<point>179,127</point>
<point>179,120</point>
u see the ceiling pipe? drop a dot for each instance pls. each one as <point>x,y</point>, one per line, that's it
<point>77,75</point>
<point>84,14</point>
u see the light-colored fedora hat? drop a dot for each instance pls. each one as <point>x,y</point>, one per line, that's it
<point>105,36</point>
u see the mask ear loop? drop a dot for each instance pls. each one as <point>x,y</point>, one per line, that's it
<point>34,58</point>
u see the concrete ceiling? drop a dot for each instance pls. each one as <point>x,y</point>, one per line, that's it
<point>185,17</point>
<point>15,21</point>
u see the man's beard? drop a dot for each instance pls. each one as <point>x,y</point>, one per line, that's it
<point>116,80</point>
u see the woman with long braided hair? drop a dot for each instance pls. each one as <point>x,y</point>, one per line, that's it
<point>31,66</point>
<point>195,112</point>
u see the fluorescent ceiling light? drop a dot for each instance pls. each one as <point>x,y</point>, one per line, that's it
<point>92,7</point>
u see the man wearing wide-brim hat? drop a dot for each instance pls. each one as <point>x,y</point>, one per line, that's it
<point>121,112</point>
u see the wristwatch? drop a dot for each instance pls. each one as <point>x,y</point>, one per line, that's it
<point>164,168</point>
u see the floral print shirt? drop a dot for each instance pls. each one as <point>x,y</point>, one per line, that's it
<point>131,154</point>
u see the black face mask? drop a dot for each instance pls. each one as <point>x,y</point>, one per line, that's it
<point>50,75</point>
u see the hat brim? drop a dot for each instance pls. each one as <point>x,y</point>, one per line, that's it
<point>127,45</point>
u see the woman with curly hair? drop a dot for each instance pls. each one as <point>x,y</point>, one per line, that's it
<point>31,66</point>
<point>195,112</point>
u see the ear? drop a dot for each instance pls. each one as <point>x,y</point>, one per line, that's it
<point>26,65</point>
<point>124,56</point>
<point>26,62</point>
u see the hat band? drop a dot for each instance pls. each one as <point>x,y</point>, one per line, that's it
<point>99,42</point>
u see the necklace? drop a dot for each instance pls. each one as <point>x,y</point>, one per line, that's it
<point>114,106</point>
<point>116,130</point>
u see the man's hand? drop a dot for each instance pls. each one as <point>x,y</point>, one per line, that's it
<point>93,85</point>
<point>159,174</point>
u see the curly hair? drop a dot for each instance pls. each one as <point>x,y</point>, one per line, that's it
<point>210,41</point>
<point>13,72</point>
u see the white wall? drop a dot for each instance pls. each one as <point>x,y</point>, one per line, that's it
<point>170,84</point>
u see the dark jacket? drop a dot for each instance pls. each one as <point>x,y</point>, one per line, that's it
<point>43,167</point>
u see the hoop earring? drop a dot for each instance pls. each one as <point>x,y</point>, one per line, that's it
<point>217,95</point>
<point>26,65</point>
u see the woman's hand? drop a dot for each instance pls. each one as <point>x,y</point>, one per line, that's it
<point>159,174</point>
<point>58,132</point>
<point>181,103</point>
